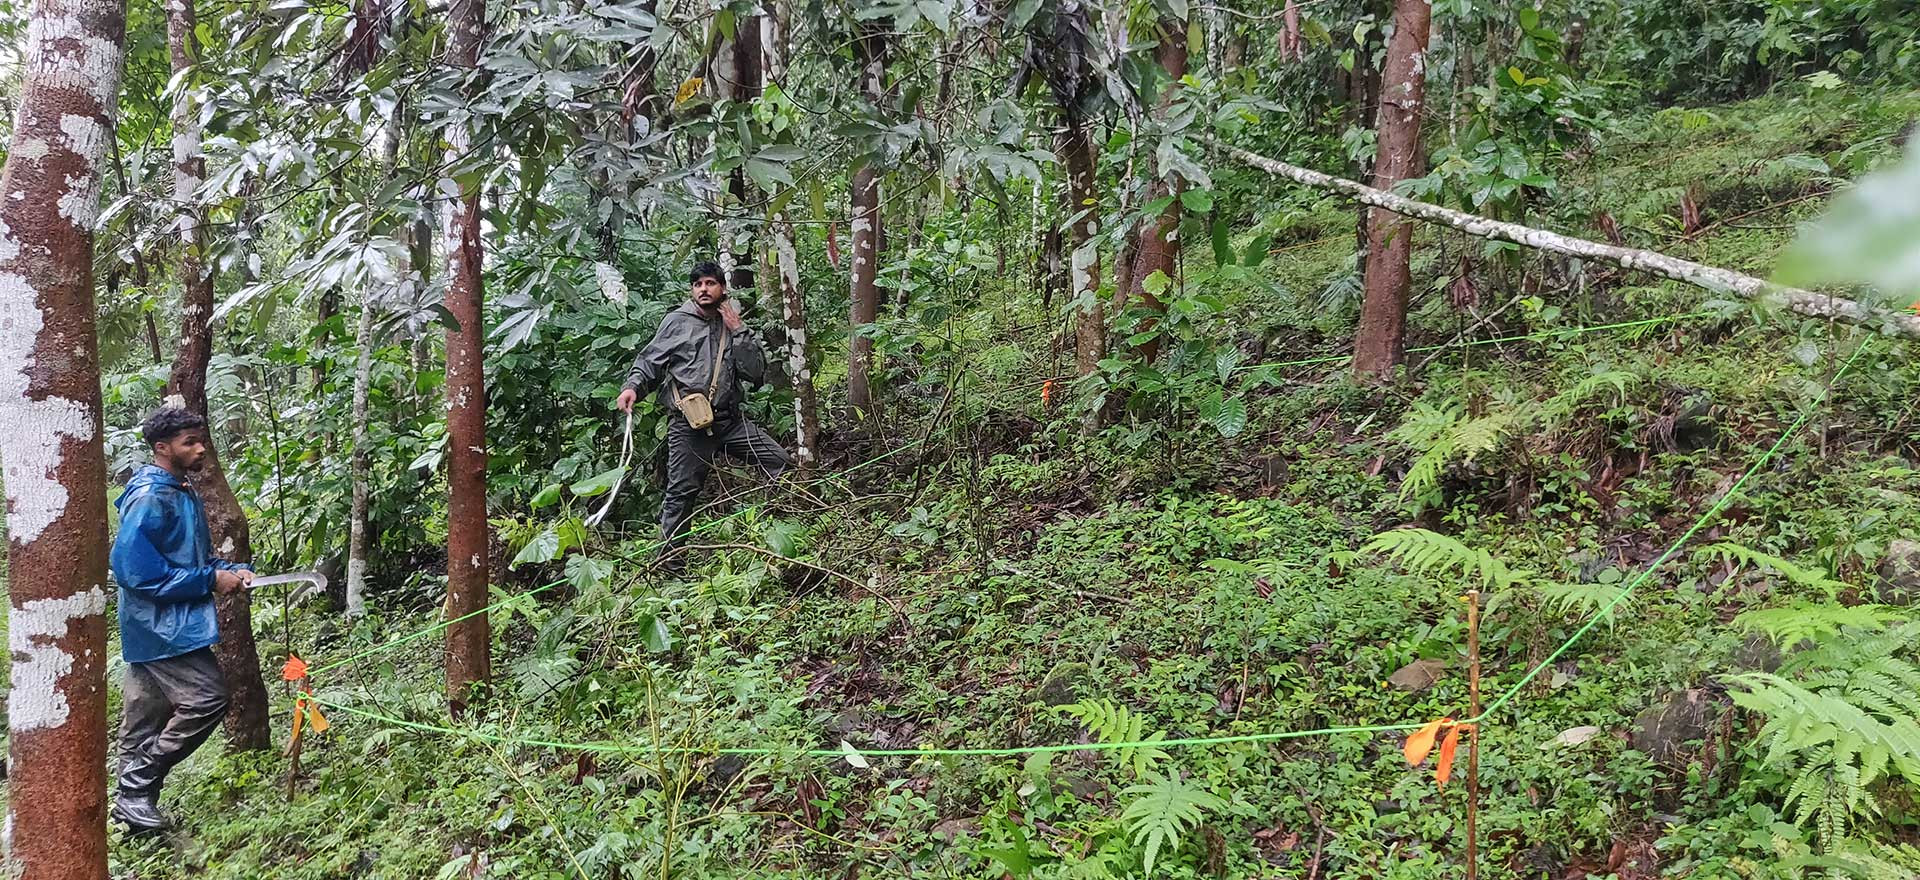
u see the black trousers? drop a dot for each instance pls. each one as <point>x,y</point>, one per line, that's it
<point>690,455</point>
<point>168,708</point>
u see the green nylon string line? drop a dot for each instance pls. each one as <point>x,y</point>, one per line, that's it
<point>423,633</point>
<point>1712,512</point>
<point>1013,751</point>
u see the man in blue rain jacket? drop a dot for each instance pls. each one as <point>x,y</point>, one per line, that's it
<point>173,695</point>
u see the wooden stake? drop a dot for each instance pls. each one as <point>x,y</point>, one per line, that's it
<point>1473,735</point>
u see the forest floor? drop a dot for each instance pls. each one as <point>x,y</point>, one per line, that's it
<point>1010,584</point>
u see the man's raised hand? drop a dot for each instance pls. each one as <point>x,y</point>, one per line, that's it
<point>730,314</point>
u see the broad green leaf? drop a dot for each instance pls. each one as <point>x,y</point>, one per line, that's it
<point>545,547</point>
<point>1871,235</point>
<point>586,572</point>
<point>1156,282</point>
<point>654,633</point>
<point>1222,243</point>
<point>598,483</point>
<point>1199,201</point>
<point>547,496</point>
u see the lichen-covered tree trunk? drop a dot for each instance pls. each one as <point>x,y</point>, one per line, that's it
<point>469,639</point>
<point>1155,250</point>
<point>793,306</point>
<point>1075,148</point>
<point>870,49</point>
<point>1713,278</point>
<point>51,452</point>
<point>1380,344</point>
<point>247,718</point>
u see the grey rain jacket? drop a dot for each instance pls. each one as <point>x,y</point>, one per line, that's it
<point>682,353</point>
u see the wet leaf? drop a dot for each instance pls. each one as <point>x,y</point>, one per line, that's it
<point>1420,743</point>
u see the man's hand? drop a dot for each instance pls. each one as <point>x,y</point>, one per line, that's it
<point>730,314</point>
<point>246,577</point>
<point>626,399</point>
<point>227,582</point>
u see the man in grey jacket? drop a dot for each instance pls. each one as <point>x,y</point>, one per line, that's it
<point>681,360</point>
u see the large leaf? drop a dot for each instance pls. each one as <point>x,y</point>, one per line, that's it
<point>545,547</point>
<point>597,484</point>
<point>1871,236</point>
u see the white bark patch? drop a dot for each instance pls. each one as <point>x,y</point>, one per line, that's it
<point>356,588</point>
<point>1083,260</point>
<point>81,202</point>
<point>63,54</point>
<point>789,261</point>
<point>38,427</point>
<point>32,150</point>
<point>174,401</point>
<point>9,246</point>
<point>861,225</point>
<point>226,548</point>
<point>35,700</point>
<point>85,135</point>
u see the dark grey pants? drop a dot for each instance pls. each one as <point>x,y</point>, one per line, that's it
<point>168,708</point>
<point>690,455</point>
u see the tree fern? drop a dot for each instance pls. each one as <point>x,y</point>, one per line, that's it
<point>1109,722</point>
<point>1163,809</point>
<point>1430,553</point>
<point>1730,551</point>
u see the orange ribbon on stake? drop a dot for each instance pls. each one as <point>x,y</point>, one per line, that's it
<point>1420,744</point>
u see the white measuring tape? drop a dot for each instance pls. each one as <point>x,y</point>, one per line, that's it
<point>626,461</point>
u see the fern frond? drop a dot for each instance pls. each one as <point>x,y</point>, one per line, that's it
<point>1110,722</point>
<point>1730,551</point>
<point>1569,400</point>
<point>1583,599</point>
<point>1790,625</point>
<point>1425,552</point>
<point>1162,811</point>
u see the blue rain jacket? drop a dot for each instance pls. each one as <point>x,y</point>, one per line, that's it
<point>163,561</point>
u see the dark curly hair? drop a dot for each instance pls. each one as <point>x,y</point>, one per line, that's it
<point>706,269</point>
<point>169,422</point>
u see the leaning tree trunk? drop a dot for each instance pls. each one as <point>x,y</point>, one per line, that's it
<point>469,638</point>
<point>870,48</point>
<point>55,466</point>
<point>793,306</point>
<point>1713,278</point>
<point>1156,250</point>
<point>246,721</point>
<point>1090,320</point>
<point>1380,344</point>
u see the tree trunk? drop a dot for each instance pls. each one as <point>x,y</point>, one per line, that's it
<point>1713,278</point>
<point>1380,344</point>
<point>389,150</point>
<point>864,197</point>
<point>470,639</point>
<point>51,452</point>
<point>246,722</point>
<point>793,306</point>
<point>1090,320</point>
<point>743,85</point>
<point>1155,251</point>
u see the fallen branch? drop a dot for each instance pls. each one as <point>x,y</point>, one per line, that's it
<point>1805,302</point>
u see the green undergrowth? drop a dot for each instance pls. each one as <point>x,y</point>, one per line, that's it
<point>1016,584</point>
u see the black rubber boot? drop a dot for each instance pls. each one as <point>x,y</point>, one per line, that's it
<point>139,812</point>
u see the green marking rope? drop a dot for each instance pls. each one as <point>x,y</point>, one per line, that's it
<point>1498,703</point>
